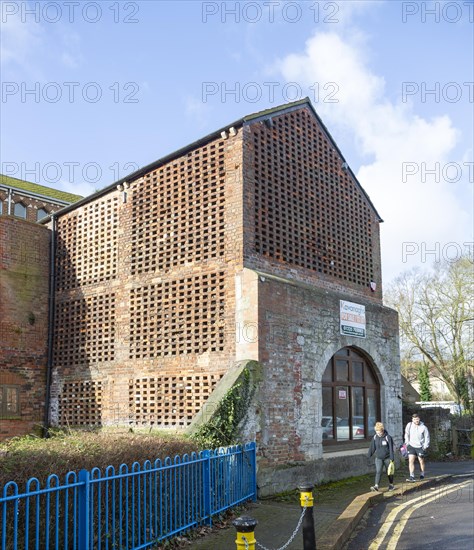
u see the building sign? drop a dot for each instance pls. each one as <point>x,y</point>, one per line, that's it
<point>342,394</point>
<point>352,319</point>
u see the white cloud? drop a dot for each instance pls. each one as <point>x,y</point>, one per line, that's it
<point>198,111</point>
<point>81,188</point>
<point>71,55</point>
<point>19,41</point>
<point>417,207</point>
<point>28,49</point>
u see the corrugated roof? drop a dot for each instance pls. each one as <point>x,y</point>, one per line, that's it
<point>37,189</point>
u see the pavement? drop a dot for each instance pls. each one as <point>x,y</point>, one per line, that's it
<point>338,508</point>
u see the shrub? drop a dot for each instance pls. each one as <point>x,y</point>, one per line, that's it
<point>24,457</point>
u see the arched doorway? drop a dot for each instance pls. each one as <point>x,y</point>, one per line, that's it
<point>351,398</point>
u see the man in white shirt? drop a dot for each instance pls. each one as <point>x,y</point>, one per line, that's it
<point>417,439</point>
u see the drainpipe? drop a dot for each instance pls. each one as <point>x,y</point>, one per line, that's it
<point>9,199</point>
<point>52,286</point>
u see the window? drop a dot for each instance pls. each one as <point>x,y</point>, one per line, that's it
<point>42,213</point>
<point>20,210</point>
<point>9,401</point>
<point>351,403</point>
<point>1,207</point>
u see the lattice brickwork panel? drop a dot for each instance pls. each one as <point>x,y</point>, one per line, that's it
<point>87,247</point>
<point>308,211</point>
<point>80,403</point>
<point>169,400</point>
<point>178,212</point>
<point>85,331</point>
<point>178,317</point>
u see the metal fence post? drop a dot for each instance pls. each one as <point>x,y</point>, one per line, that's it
<point>251,449</point>
<point>206,485</point>
<point>245,526</point>
<point>83,508</point>
<point>306,499</point>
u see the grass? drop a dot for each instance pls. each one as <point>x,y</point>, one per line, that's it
<point>24,457</point>
<point>329,493</point>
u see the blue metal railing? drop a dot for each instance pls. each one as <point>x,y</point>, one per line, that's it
<point>129,509</point>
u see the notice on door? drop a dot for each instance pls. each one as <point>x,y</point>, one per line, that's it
<point>352,318</point>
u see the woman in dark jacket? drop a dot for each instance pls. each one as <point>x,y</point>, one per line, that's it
<point>382,446</point>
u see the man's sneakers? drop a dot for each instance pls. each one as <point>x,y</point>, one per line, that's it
<point>391,487</point>
<point>411,479</point>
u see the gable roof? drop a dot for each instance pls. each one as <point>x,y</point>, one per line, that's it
<point>249,119</point>
<point>41,190</point>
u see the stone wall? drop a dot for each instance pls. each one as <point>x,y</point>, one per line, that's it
<point>298,334</point>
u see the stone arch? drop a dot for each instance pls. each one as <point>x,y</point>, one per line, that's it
<point>368,351</point>
<point>350,397</point>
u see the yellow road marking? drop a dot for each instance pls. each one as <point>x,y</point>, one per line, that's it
<point>391,518</point>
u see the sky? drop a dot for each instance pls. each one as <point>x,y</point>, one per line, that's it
<point>91,91</point>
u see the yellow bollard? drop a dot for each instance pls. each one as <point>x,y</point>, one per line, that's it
<point>306,500</point>
<point>245,526</point>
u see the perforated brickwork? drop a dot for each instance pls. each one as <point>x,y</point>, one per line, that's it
<point>80,403</point>
<point>178,217</point>
<point>309,212</point>
<point>178,317</point>
<point>85,331</point>
<point>87,245</point>
<point>169,400</point>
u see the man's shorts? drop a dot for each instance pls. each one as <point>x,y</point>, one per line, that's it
<point>417,451</point>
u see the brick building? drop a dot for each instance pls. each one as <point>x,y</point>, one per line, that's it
<point>30,201</point>
<point>24,298</point>
<point>254,245</point>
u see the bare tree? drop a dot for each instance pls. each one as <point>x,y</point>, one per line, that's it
<point>436,315</point>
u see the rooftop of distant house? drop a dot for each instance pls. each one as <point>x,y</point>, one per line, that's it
<point>39,190</point>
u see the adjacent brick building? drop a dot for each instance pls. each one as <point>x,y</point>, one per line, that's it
<point>255,243</point>
<point>24,298</point>
<point>30,201</point>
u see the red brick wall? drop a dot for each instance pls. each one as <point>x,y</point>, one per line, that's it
<point>305,216</point>
<point>24,283</point>
<point>31,204</point>
<point>145,297</point>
